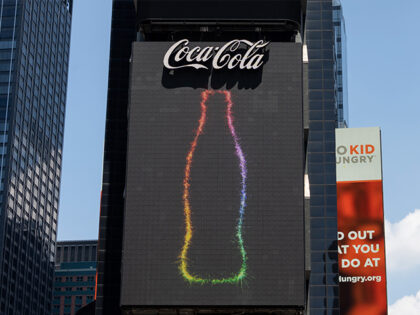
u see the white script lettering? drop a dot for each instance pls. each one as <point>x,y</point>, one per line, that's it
<point>222,56</point>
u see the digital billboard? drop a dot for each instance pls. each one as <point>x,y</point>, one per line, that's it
<point>214,212</point>
<point>361,241</point>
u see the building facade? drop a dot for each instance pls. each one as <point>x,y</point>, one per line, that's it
<point>340,49</point>
<point>323,34</point>
<point>327,105</point>
<point>75,276</point>
<point>123,34</point>
<point>34,55</point>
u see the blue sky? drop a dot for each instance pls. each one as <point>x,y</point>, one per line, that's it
<point>85,120</point>
<point>384,79</point>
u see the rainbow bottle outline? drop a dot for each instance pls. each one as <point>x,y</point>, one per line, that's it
<point>183,266</point>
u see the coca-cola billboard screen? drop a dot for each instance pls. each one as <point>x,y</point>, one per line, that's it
<point>214,212</point>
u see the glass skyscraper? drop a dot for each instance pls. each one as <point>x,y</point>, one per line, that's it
<point>34,55</point>
<point>327,104</point>
<point>340,41</point>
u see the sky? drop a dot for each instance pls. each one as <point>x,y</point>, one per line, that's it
<point>384,78</point>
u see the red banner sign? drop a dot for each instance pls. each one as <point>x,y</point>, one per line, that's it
<point>361,242</point>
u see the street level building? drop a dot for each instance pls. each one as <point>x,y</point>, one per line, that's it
<point>34,55</point>
<point>75,276</point>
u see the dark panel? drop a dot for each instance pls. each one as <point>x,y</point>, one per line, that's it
<point>219,10</point>
<point>123,33</point>
<point>166,109</point>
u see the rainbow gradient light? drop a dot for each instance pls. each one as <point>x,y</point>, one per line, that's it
<point>183,267</point>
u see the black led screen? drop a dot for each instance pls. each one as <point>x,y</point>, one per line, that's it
<point>214,194</point>
<point>219,10</point>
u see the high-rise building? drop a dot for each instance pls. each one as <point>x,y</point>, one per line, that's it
<point>327,105</point>
<point>340,49</point>
<point>321,31</point>
<point>34,55</point>
<point>75,276</point>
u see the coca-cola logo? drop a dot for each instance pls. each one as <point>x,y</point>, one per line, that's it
<point>229,56</point>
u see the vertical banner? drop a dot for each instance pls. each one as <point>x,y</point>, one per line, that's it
<point>361,242</point>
